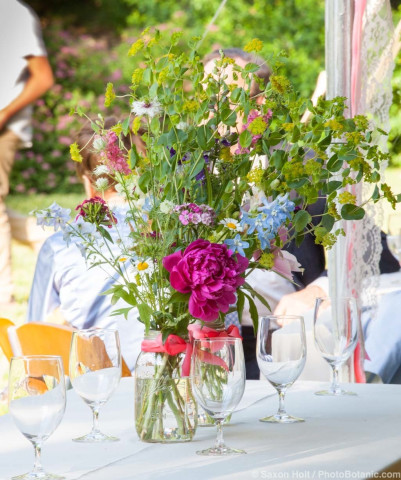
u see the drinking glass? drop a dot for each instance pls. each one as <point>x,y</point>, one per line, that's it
<point>37,403</point>
<point>281,355</point>
<point>336,335</point>
<point>218,382</point>
<point>95,371</point>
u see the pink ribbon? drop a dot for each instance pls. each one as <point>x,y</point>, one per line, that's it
<point>172,346</point>
<point>175,345</point>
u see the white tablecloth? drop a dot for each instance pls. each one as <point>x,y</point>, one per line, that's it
<point>358,434</point>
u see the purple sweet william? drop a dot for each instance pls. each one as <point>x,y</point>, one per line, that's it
<point>211,273</point>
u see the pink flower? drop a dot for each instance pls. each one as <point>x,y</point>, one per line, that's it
<point>96,211</point>
<point>285,263</point>
<point>113,155</point>
<point>210,273</point>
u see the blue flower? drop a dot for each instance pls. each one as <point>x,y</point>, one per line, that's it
<point>264,237</point>
<point>237,245</point>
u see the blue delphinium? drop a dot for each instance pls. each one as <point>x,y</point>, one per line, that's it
<point>236,244</point>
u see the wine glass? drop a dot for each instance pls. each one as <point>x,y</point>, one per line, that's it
<point>336,334</point>
<point>218,382</point>
<point>36,403</point>
<point>95,371</point>
<point>281,356</point>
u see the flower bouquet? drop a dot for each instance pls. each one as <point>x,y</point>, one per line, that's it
<point>221,187</point>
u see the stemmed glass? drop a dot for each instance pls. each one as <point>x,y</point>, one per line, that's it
<point>281,358</point>
<point>336,335</point>
<point>95,371</point>
<point>218,383</point>
<point>37,403</point>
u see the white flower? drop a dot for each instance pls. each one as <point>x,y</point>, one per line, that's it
<point>101,184</point>
<point>231,224</point>
<point>182,126</point>
<point>101,170</point>
<point>127,186</point>
<point>152,108</point>
<point>143,267</point>
<point>166,206</point>
<point>99,144</point>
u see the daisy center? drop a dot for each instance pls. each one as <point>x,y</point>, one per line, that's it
<point>142,266</point>
<point>231,225</point>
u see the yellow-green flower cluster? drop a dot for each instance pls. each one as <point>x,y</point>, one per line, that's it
<point>109,95</point>
<point>354,137</point>
<point>225,155</point>
<point>190,106</point>
<point>334,124</point>
<point>257,126</point>
<point>136,47</point>
<point>361,122</point>
<point>388,194</point>
<point>288,127</point>
<point>137,75</point>
<point>280,84</point>
<point>255,175</point>
<point>136,125</point>
<point>267,260</point>
<point>162,76</point>
<point>293,170</point>
<point>332,210</point>
<point>324,238</point>
<point>346,197</point>
<point>75,153</point>
<point>254,45</point>
<point>117,129</point>
<point>312,167</point>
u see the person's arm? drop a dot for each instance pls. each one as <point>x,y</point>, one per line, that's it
<point>40,80</point>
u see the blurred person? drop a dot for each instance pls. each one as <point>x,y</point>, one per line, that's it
<point>283,296</point>
<point>26,75</point>
<point>64,283</point>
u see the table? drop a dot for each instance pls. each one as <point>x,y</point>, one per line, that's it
<point>358,434</point>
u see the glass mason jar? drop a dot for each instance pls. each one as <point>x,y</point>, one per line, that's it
<point>165,409</point>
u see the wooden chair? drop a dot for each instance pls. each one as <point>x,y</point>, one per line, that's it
<point>38,338</point>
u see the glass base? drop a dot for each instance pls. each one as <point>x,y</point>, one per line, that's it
<point>39,475</point>
<point>220,451</point>
<point>281,418</point>
<point>96,437</point>
<point>339,392</point>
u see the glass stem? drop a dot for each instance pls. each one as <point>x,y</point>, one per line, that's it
<point>37,466</point>
<point>95,424</point>
<point>334,384</point>
<point>219,439</point>
<point>281,408</point>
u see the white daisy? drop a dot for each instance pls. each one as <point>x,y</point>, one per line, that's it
<point>152,108</point>
<point>231,224</point>
<point>143,267</point>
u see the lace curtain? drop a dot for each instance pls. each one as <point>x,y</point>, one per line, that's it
<point>371,76</point>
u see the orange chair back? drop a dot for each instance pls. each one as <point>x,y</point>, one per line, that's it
<point>5,345</point>
<point>38,338</point>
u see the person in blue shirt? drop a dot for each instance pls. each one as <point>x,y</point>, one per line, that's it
<point>63,281</point>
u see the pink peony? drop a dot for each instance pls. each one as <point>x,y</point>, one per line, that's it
<point>210,273</point>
